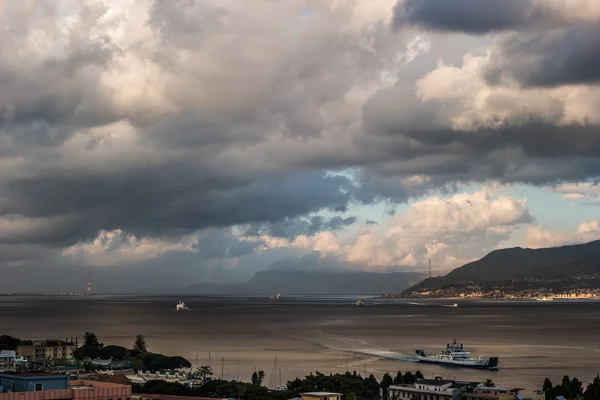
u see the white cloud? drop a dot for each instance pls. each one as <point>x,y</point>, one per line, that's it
<point>587,231</point>
<point>577,191</point>
<point>450,232</point>
<point>117,248</point>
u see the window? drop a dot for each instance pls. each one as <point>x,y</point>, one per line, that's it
<point>39,386</point>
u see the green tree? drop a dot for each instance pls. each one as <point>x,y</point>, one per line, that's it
<point>547,385</point>
<point>575,388</point>
<point>158,362</point>
<point>408,378</point>
<point>488,382</point>
<point>114,352</point>
<point>91,347</point>
<point>386,381</point>
<point>398,378</point>
<point>418,375</point>
<point>592,392</point>
<point>350,396</point>
<point>91,340</point>
<point>139,345</point>
<point>204,374</point>
<point>372,384</point>
<point>8,342</point>
<point>258,377</point>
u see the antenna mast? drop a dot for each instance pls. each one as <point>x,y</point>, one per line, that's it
<point>430,267</point>
<point>89,289</point>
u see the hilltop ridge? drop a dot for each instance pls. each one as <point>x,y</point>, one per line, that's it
<point>563,268</point>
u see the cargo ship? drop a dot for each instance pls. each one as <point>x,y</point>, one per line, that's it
<point>455,355</point>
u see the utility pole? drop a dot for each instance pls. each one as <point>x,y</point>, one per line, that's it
<point>209,360</point>
<point>222,365</point>
<point>430,268</point>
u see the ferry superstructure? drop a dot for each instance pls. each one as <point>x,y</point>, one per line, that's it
<point>455,355</point>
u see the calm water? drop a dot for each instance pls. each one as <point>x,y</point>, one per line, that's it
<point>532,339</point>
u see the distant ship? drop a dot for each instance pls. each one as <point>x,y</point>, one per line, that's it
<point>276,297</point>
<point>456,356</point>
<point>181,306</point>
<point>545,298</point>
<point>360,303</point>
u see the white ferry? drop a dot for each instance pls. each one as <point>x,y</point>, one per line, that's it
<point>360,303</point>
<point>455,355</point>
<point>181,306</point>
<point>545,298</point>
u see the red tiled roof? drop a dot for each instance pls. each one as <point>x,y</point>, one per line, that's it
<point>121,379</point>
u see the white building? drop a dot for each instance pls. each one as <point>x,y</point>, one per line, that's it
<point>8,360</point>
<point>427,389</point>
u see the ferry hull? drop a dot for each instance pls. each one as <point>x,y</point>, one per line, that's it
<point>489,364</point>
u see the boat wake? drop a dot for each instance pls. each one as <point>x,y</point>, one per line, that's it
<point>432,305</point>
<point>363,348</point>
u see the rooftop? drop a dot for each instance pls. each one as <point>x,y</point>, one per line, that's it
<point>434,382</point>
<point>33,374</point>
<point>321,394</point>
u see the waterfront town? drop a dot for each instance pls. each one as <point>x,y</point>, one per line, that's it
<point>535,290</point>
<point>69,370</point>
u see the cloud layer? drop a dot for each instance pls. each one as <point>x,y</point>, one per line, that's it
<point>139,131</point>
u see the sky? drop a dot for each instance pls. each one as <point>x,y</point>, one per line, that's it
<point>168,143</point>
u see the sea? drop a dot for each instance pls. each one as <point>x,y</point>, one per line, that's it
<point>298,335</point>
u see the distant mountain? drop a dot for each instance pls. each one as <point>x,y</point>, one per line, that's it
<point>301,282</point>
<point>518,263</point>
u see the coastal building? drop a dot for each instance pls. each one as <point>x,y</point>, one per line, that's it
<point>493,393</point>
<point>32,381</point>
<point>48,350</point>
<point>111,364</point>
<point>427,389</point>
<point>8,360</point>
<point>440,389</point>
<point>47,386</point>
<point>321,396</point>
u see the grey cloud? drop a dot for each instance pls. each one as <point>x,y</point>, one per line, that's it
<point>235,122</point>
<point>292,227</point>
<point>559,57</point>
<point>419,138</point>
<point>313,261</point>
<point>156,201</point>
<point>469,16</point>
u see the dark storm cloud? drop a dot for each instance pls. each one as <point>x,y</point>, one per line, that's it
<point>194,152</point>
<point>565,56</point>
<point>292,227</point>
<point>159,201</point>
<point>469,16</point>
<point>419,139</point>
<point>195,116</point>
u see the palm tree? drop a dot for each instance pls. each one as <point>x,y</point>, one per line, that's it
<point>488,382</point>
